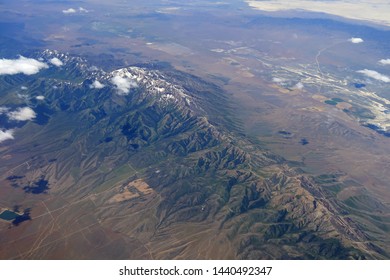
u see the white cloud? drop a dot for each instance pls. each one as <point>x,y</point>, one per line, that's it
<point>375,75</point>
<point>40,97</point>
<point>278,80</point>
<point>123,84</point>
<point>299,86</point>
<point>356,40</point>
<point>23,88</point>
<point>96,84</point>
<point>22,114</point>
<point>69,11</point>
<point>93,68</point>
<point>55,61</point>
<point>385,61</point>
<point>73,11</point>
<point>23,96</point>
<point>27,66</point>
<point>6,134</point>
<point>3,110</point>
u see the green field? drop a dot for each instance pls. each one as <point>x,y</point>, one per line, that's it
<point>8,215</point>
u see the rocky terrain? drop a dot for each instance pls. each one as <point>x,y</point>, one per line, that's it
<point>148,162</point>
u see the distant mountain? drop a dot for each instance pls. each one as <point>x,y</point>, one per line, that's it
<point>148,162</point>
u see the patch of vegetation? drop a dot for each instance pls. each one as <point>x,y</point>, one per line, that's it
<point>361,113</point>
<point>331,102</point>
<point>8,215</point>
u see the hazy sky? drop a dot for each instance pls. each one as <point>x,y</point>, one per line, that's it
<point>377,11</point>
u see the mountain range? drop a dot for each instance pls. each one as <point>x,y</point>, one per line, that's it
<point>147,162</point>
